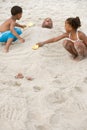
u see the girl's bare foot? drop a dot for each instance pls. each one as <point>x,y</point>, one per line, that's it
<point>19,76</point>
<point>73,56</point>
<point>79,58</point>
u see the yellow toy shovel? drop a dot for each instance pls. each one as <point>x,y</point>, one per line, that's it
<point>35,47</point>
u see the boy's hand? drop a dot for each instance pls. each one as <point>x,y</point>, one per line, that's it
<point>24,26</point>
<point>22,40</point>
<point>40,44</point>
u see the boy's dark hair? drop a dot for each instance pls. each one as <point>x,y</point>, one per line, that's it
<point>16,10</point>
<point>74,22</point>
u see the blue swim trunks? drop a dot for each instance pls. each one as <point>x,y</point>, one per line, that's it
<point>4,36</point>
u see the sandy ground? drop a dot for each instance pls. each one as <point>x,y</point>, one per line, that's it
<point>56,99</point>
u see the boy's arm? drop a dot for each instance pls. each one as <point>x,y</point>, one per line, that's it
<point>14,32</point>
<point>19,25</point>
<point>53,39</point>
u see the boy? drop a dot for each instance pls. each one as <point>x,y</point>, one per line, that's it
<point>47,23</point>
<point>8,31</point>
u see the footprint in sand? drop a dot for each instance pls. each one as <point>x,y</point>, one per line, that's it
<point>37,88</point>
<point>55,119</point>
<point>10,113</point>
<point>78,89</point>
<point>43,127</point>
<point>81,106</point>
<point>83,125</point>
<point>13,114</point>
<point>85,80</point>
<point>56,98</point>
<point>76,105</point>
<point>57,81</point>
<point>11,83</point>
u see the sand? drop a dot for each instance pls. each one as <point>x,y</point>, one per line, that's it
<point>56,99</point>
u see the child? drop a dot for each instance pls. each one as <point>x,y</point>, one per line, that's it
<point>47,23</point>
<point>75,42</point>
<point>8,31</point>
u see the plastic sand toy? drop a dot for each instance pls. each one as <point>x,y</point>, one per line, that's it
<point>35,47</point>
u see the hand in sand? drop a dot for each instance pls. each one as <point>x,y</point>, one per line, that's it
<point>22,40</point>
<point>40,44</point>
<point>24,26</point>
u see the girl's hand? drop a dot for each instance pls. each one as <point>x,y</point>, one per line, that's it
<point>40,44</point>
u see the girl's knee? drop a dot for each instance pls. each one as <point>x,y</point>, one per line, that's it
<point>80,50</point>
<point>65,43</point>
<point>80,46</point>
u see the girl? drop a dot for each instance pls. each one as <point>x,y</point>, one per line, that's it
<point>75,42</point>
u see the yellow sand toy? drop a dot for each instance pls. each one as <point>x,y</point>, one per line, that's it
<point>30,24</point>
<point>35,47</point>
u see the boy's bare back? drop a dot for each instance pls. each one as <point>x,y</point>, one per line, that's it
<point>10,25</point>
<point>7,24</point>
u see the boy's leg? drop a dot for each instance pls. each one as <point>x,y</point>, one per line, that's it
<point>18,31</point>
<point>69,46</point>
<point>8,43</point>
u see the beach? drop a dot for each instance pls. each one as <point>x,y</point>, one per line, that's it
<point>56,98</point>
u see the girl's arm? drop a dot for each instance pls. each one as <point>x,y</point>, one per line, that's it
<point>83,37</point>
<point>53,39</point>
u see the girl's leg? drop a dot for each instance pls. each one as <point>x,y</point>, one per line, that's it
<point>81,48</point>
<point>8,43</point>
<point>69,46</point>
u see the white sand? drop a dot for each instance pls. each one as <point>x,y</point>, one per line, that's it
<point>57,97</point>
